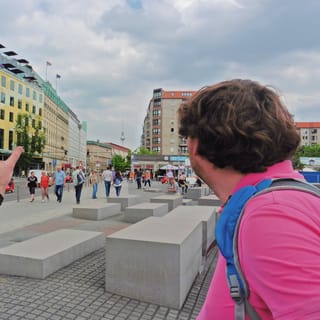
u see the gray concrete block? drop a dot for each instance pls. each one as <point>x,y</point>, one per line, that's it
<point>40,256</point>
<point>152,190</point>
<point>204,214</point>
<point>197,192</point>
<point>96,210</point>
<point>210,200</point>
<point>154,260</point>
<point>144,210</point>
<point>187,202</point>
<point>126,201</point>
<point>173,200</point>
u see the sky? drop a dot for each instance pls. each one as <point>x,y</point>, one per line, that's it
<point>111,54</point>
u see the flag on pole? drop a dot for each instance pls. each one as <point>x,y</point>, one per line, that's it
<point>58,76</point>
<point>49,63</point>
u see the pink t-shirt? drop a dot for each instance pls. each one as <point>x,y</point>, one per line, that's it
<point>279,252</point>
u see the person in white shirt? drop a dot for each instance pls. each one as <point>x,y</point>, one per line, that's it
<point>107,177</point>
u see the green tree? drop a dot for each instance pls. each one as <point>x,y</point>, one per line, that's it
<point>30,135</point>
<point>309,151</point>
<point>145,151</point>
<point>120,163</point>
<point>296,163</point>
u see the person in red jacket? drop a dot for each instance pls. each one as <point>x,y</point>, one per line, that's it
<point>44,184</point>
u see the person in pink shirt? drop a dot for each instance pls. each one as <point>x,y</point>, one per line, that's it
<point>239,133</point>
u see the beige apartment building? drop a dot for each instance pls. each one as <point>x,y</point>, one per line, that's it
<point>99,155</point>
<point>55,120</point>
<point>160,127</point>
<point>309,132</point>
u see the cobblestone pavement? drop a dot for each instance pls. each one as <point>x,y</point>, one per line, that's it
<point>77,291</point>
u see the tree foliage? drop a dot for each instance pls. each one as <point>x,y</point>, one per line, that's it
<point>30,135</point>
<point>144,151</point>
<point>120,163</point>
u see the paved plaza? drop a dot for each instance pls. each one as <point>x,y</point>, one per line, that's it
<point>78,290</point>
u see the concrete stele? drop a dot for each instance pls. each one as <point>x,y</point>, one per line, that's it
<point>144,210</point>
<point>96,211</point>
<point>154,260</point>
<point>40,256</point>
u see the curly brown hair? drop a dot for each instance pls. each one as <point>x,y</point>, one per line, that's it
<point>239,124</point>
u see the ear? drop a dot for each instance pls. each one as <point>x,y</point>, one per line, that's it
<point>193,144</point>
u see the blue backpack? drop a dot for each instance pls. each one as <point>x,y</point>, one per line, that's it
<point>227,229</point>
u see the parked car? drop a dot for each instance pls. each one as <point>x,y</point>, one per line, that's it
<point>10,186</point>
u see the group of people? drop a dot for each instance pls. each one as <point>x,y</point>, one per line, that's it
<point>240,136</point>
<point>58,180</point>
<point>143,177</point>
<point>110,178</point>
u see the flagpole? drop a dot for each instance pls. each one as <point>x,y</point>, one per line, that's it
<point>47,64</point>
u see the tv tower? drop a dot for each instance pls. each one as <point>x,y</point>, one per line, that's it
<point>122,137</point>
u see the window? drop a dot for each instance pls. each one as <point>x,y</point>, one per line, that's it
<point>156,149</point>
<point>184,149</point>
<point>34,109</point>
<point>172,130</point>
<point>33,123</point>
<point>28,92</point>
<point>156,112</point>
<point>2,114</point>
<point>313,131</point>
<point>3,97</point>
<point>1,138</point>
<point>10,140</point>
<point>155,131</point>
<point>11,85</point>
<point>12,101</point>
<point>19,104</point>
<point>20,88</point>
<point>40,98</point>
<point>3,81</point>
<point>156,122</point>
<point>40,112</point>
<point>34,95</point>
<point>27,106</point>
<point>11,117</point>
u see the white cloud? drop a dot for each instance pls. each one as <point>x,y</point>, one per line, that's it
<point>112,54</point>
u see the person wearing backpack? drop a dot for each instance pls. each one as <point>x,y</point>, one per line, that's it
<point>78,181</point>
<point>240,139</point>
<point>117,182</point>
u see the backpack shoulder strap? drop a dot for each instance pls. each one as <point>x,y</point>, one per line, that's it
<point>277,184</point>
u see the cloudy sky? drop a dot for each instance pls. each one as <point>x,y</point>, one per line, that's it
<point>111,54</point>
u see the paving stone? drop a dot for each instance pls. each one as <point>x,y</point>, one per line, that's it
<point>77,292</point>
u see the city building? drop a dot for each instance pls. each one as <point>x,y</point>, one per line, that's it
<point>160,127</point>
<point>23,91</point>
<point>99,155</point>
<point>19,94</point>
<point>309,132</point>
<point>119,150</point>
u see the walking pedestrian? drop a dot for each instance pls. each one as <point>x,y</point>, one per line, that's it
<point>78,181</point>
<point>239,136</point>
<point>32,183</point>
<point>94,179</point>
<point>59,179</point>
<point>138,178</point>
<point>117,183</point>
<point>44,184</point>
<point>147,178</point>
<point>107,178</point>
